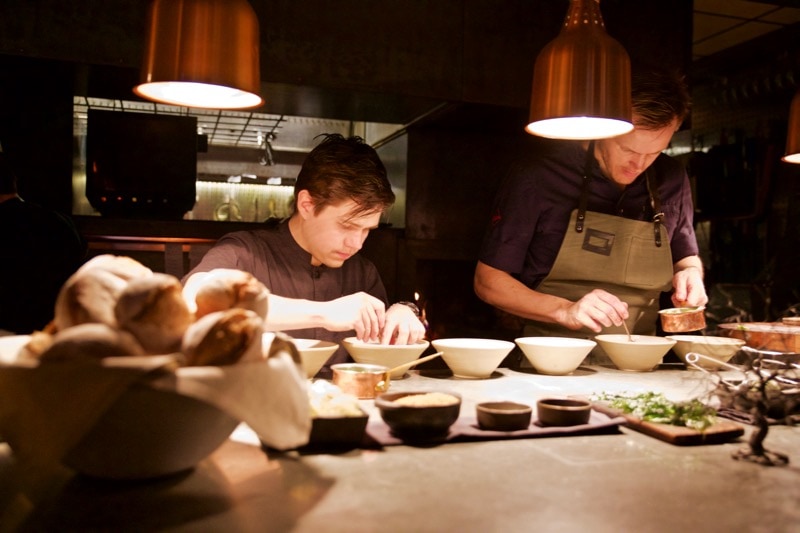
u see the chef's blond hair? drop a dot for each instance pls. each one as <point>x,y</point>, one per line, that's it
<point>658,97</point>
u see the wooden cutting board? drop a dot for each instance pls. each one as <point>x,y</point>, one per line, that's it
<point>722,431</point>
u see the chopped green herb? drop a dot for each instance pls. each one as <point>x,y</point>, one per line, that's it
<point>655,407</point>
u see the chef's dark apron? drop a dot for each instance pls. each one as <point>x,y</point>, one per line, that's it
<point>630,259</point>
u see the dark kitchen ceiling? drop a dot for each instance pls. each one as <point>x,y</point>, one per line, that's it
<point>718,25</point>
<point>722,24</point>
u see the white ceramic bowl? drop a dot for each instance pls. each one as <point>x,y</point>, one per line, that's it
<point>390,355</point>
<point>718,348</point>
<point>556,356</point>
<point>473,358</point>
<point>314,353</point>
<point>642,354</point>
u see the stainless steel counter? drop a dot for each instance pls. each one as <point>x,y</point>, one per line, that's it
<point>614,482</point>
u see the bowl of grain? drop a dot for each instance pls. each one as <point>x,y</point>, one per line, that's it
<point>419,415</point>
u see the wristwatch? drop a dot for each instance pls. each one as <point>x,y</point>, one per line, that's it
<point>412,306</point>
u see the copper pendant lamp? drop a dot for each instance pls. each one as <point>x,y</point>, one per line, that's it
<point>793,133</point>
<point>202,53</point>
<point>581,80</point>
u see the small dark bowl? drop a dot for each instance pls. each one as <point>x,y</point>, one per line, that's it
<point>417,422</point>
<point>563,412</point>
<point>337,432</point>
<point>503,416</point>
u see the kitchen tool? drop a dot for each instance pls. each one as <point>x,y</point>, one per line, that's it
<point>683,319</point>
<point>401,369</point>
<point>406,366</point>
<point>715,349</point>
<point>365,381</point>
<point>361,380</point>
<point>627,331</point>
<point>775,336</point>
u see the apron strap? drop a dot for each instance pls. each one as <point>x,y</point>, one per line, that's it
<point>655,203</point>
<point>587,177</point>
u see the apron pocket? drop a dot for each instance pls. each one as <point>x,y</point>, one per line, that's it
<point>647,266</point>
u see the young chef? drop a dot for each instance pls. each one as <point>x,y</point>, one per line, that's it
<point>585,235</point>
<point>320,287</point>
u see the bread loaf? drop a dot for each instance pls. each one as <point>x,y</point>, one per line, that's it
<point>153,310</point>
<point>224,338</point>
<point>224,288</point>
<point>90,342</point>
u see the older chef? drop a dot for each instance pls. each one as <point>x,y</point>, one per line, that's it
<point>586,235</point>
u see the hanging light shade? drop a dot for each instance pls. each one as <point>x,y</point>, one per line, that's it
<point>581,80</point>
<point>201,53</point>
<point>793,133</point>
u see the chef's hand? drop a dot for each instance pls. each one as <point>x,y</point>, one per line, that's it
<point>689,290</point>
<point>402,326</point>
<point>596,310</point>
<point>360,311</point>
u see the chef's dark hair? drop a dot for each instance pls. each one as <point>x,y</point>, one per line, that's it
<point>658,96</point>
<point>8,179</point>
<point>340,169</point>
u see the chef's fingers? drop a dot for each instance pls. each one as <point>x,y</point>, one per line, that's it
<point>619,309</point>
<point>401,326</point>
<point>596,310</point>
<point>689,290</point>
<point>372,317</point>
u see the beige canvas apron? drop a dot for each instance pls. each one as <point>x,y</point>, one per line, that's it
<point>630,259</point>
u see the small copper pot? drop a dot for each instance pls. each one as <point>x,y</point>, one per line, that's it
<point>683,319</point>
<point>361,380</point>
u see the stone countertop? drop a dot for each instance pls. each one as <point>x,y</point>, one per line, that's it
<point>613,482</point>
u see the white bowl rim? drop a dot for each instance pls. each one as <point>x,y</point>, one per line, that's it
<point>317,344</point>
<point>355,342</point>
<point>565,342</point>
<point>708,339</point>
<point>470,342</point>
<point>652,340</point>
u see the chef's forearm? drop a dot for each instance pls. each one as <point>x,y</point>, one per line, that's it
<point>688,262</point>
<point>503,291</point>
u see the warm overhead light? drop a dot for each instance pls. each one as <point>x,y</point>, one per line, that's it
<point>202,53</point>
<point>581,80</point>
<point>793,133</point>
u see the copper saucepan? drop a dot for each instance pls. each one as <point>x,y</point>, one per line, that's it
<point>683,319</point>
<point>366,381</point>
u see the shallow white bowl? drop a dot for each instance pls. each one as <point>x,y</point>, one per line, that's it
<point>473,358</point>
<point>720,349</point>
<point>556,356</point>
<point>642,354</point>
<point>390,355</point>
<point>314,353</point>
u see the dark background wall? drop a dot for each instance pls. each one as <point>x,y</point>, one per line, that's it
<point>392,61</point>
